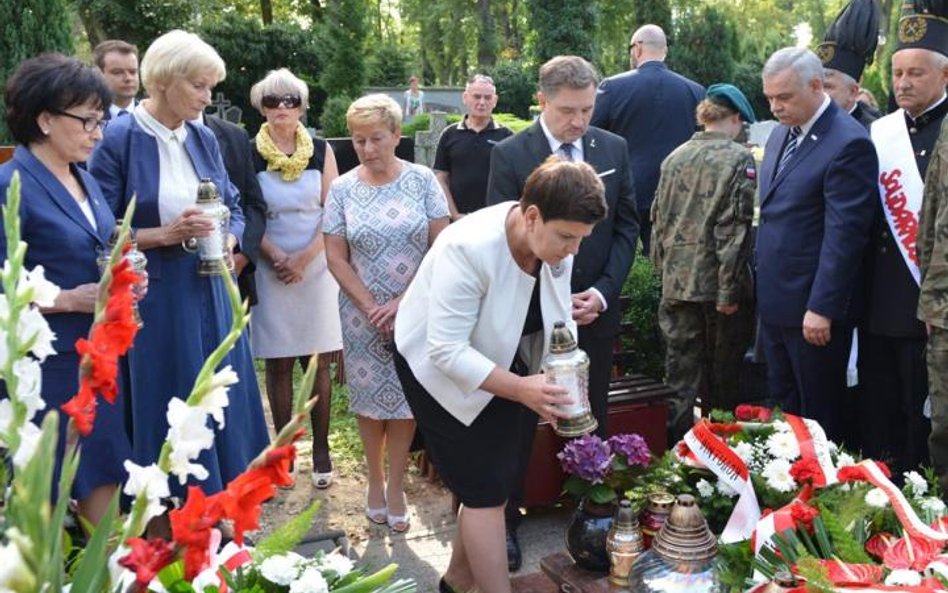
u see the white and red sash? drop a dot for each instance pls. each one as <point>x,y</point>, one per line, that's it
<point>900,184</point>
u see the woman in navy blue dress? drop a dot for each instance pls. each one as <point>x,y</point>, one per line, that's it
<point>160,155</point>
<point>55,107</point>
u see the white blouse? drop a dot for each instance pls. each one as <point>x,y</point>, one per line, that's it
<point>177,179</point>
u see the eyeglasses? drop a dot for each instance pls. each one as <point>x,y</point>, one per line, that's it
<point>274,101</point>
<point>89,124</point>
<point>634,43</point>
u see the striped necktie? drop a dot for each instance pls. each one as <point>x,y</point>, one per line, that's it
<point>567,151</point>
<point>790,148</point>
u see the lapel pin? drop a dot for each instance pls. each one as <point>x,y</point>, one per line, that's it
<point>592,143</point>
<point>813,137</point>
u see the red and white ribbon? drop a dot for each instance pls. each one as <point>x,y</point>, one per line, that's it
<point>813,445</point>
<point>715,454</point>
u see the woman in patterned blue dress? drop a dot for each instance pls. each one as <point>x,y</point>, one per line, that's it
<point>380,219</point>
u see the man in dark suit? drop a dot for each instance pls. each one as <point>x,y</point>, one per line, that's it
<point>567,96</point>
<point>235,150</point>
<point>817,200</point>
<point>651,107</point>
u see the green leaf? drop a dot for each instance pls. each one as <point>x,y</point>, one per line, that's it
<point>601,494</point>
<point>288,535</point>
<point>371,582</point>
<point>575,486</point>
<point>93,571</point>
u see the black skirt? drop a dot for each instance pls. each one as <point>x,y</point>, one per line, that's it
<point>478,463</point>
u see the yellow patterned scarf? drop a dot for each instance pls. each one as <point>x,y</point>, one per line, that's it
<point>290,167</point>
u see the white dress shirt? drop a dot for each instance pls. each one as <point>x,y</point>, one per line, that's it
<point>177,181</point>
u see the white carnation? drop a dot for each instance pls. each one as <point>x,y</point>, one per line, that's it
<point>933,505</point>
<point>745,451</point>
<point>281,569</point>
<point>783,445</point>
<point>337,563</point>
<point>777,475</point>
<point>310,581</point>
<point>705,489</point>
<point>876,498</point>
<point>916,483</point>
<point>725,489</point>
<point>844,460</point>
<point>903,577</point>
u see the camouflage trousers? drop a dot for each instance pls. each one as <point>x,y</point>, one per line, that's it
<point>938,392</point>
<point>704,352</point>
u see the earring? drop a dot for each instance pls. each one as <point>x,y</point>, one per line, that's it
<point>45,132</point>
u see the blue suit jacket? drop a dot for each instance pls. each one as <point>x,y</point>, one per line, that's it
<point>126,163</point>
<point>58,235</point>
<point>653,108</point>
<point>815,218</point>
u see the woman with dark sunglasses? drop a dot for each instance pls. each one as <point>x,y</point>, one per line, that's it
<point>159,154</point>
<point>297,312</point>
<point>54,110</point>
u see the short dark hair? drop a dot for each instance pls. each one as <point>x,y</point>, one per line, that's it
<point>50,82</point>
<point>572,72</point>
<point>112,45</point>
<point>565,190</point>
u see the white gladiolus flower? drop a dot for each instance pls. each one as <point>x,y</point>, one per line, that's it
<point>903,577</point>
<point>29,439</point>
<point>310,581</point>
<point>150,482</point>
<point>777,475</point>
<point>32,326</point>
<point>214,402</point>
<point>6,417</point>
<point>916,483</point>
<point>282,569</point>
<point>783,445</point>
<point>337,563</point>
<point>189,435</point>
<point>44,292</point>
<point>15,574</point>
<point>705,489</point>
<point>29,383</point>
<point>725,489</point>
<point>876,498</point>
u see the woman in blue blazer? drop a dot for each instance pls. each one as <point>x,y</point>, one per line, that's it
<point>159,155</point>
<point>55,107</point>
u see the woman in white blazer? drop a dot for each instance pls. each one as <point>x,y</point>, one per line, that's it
<point>471,331</point>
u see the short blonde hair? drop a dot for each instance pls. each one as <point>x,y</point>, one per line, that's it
<point>179,53</point>
<point>374,109</point>
<point>279,82</point>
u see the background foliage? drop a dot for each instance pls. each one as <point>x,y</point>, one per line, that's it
<point>339,46</point>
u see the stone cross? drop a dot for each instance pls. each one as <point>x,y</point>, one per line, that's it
<point>426,142</point>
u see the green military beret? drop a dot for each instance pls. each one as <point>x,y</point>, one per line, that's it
<point>730,96</point>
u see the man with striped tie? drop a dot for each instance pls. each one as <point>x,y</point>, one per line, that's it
<point>817,200</point>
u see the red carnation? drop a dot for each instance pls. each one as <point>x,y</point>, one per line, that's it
<point>806,470</point>
<point>803,515</point>
<point>748,413</point>
<point>147,558</point>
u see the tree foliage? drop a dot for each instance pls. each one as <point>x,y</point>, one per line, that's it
<point>136,22</point>
<point>250,50</point>
<point>389,64</point>
<point>516,86</point>
<point>342,36</point>
<point>41,26</point>
<point>562,27</point>
<point>705,46</point>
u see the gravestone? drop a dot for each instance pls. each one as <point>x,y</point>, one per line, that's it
<point>222,108</point>
<point>426,141</point>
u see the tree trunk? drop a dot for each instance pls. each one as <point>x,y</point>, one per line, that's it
<point>90,24</point>
<point>486,37</point>
<point>266,12</point>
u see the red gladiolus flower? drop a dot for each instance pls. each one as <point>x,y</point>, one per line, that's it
<point>277,465</point>
<point>191,528</point>
<point>81,408</point>
<point>748,413</point>
<point>878,544</point>
<point>910,552</point>
<point>243,500</point>
<point>806,470</point>
<point>147,558</point>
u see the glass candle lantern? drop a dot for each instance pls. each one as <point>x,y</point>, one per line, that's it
<point>212,249</point>
<point>568,366</point>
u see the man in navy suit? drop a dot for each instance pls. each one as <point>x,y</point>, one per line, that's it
<point>817,201</point>
<point>651,107</point>
<point>567,96</point>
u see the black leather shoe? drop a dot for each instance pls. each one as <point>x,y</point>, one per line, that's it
<point>514,556</point>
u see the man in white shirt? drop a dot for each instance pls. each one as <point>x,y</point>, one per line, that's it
<point>118,61</point>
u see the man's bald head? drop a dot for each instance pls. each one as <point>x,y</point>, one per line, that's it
<point>648,43</point>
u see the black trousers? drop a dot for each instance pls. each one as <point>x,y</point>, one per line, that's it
<point>809,380</point>
<point>645,229</point>
<point>893,377</point>
<point>599,350</point>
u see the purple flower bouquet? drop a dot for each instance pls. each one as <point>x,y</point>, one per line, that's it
<point>600,470</point>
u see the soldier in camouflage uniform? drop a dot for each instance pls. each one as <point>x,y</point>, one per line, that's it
<point>932,247</point>
<point>701,223</point>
